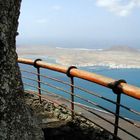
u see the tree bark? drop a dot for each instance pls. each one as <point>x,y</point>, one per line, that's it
<point>16,122</point>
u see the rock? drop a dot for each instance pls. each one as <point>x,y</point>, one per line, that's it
<point>83,120</point>
<point>63,116</point>
<point>69,118</point>
<point>46,114</point>
<point>58,124</point>
<point>49,106</point>
<point>56,113</point>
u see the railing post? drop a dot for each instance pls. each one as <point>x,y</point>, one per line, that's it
<point>72,96</point>
<point>117,115</point>
<point>72,89</point>
<point>117,91</point>
<point>38,78</point>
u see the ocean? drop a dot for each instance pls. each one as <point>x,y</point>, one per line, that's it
<point>131,76</point>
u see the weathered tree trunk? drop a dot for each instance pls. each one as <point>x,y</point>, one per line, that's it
<point>16,122</point>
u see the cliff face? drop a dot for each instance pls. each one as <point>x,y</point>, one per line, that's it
<point>16,122</point>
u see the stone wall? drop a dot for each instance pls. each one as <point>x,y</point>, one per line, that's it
<point>57,124</point>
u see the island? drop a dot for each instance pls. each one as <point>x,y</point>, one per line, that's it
<point>113,57</point>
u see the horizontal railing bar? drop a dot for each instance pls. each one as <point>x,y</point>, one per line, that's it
<point>78,96</point>
<point>98,79</point>
<point>97,105</point>
<point>86,100</point>
<point>48,92</point>
<point>69,101</point>
<point>104,98</point>
<point>52,101</point>
<point>85,90</point>
<point>66,83</point>
<point>30,72</point>
<point>45,83</point>
<point>85,108</point>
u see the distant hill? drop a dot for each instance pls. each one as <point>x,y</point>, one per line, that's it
<point>122,48</point>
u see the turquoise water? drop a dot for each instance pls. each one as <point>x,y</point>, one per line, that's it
<point>132,76</point>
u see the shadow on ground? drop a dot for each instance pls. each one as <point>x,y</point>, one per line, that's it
<point>73,131</point>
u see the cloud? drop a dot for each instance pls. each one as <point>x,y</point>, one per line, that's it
<point>119,7</point>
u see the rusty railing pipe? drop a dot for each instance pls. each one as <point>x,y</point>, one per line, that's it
<point>92,77</point>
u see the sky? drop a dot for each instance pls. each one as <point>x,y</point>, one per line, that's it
<point>79,23</point>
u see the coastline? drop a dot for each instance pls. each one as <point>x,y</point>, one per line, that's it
<point>80,57</point>
<point>54,60</point>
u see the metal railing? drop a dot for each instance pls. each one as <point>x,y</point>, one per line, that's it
<point>111,120</point>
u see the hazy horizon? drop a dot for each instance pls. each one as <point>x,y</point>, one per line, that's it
<point>80,23</point>
<point>90,44</point>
